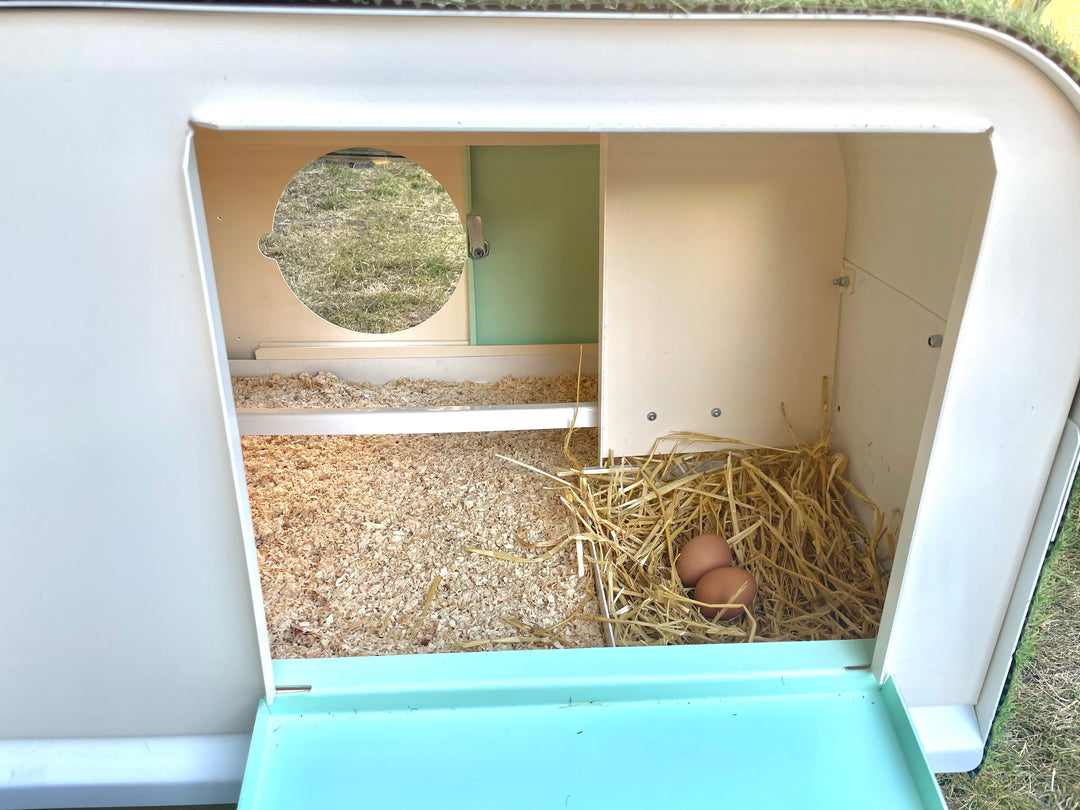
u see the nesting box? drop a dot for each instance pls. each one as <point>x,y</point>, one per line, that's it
<point>723,210</point>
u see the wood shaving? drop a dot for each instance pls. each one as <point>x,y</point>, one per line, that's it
<point>324,390</point>
<point>352,532</point>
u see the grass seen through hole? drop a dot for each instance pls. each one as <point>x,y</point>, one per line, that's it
<point>373,246</point>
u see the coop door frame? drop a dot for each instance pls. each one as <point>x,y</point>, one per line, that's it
<point>218,346</point>
<point>220,343</point>
<point>968,87</point>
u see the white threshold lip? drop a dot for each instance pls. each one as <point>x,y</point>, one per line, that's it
<point>385,421</point>
<point>119,771</point>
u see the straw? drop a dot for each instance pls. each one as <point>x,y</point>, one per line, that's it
<point>426,606</point>
<point>785,511</point>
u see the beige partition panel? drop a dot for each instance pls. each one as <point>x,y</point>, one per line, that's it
<point>720,251</point>
<point>910,205</point>
<point>885,369</point>
<point>242,176</point>
<point>916,209</point>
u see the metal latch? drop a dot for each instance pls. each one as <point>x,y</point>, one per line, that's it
<point>478,246</point>
<point>846,280</point>
<point>292,690</point>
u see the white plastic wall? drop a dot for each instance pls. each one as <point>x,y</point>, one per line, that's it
<point>124,573</point>
<point>123,578</point>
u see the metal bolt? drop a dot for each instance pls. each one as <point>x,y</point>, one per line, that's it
<point>935,341</point>
<point>715,411</point>
<point>842,281</point>
<point>651,416</point>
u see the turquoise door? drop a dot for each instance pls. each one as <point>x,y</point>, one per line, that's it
<point>771,726</point>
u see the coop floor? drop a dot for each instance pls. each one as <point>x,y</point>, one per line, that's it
<point>351,533</point>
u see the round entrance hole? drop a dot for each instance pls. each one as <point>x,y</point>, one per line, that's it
<point>368,240</point>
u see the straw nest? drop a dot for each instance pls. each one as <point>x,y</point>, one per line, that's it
<point>787,514</point>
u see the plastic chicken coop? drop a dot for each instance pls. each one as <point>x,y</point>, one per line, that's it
<point>720,209</point>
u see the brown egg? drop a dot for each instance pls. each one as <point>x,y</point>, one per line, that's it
<point>725,586</point>
<point>701,555</point>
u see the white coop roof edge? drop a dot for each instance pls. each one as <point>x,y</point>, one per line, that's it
<point>1053,62</point>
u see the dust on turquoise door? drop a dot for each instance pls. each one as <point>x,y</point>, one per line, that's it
<point>772,726</point>
<point>540,208</point>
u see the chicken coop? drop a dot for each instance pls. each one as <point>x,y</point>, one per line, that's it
<point>255,554</point>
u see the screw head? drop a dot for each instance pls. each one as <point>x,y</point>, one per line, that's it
<point>651,416</point>
<point>715,411</point>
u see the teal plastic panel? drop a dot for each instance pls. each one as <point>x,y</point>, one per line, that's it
<point>766,726</point>
<point>541,211</point>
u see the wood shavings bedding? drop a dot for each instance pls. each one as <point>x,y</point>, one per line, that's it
<point>351,532</point>
<point>324,390</point>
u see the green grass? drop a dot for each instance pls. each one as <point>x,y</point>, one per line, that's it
<point>1018,20</point>
<point>1033,756</point>
<point>373,248</point>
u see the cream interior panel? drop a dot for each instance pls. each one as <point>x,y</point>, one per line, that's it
<point>243,175</point>
<point>884,371</point>
<point>916,211</point>
<point>717,285</point>
<point>242,181</point>
<point>909,205</point>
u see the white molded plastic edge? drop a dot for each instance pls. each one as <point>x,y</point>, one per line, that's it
<point>122,771</point>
